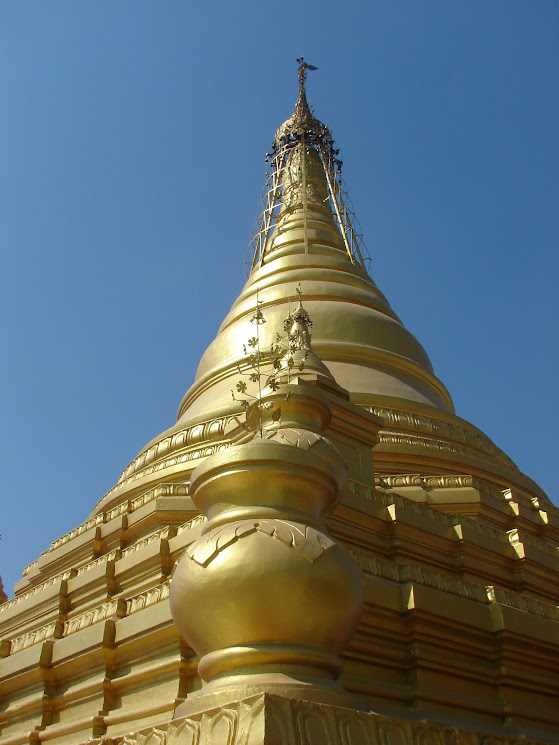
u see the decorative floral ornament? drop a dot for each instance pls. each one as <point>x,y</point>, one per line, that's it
<point>273,367</point>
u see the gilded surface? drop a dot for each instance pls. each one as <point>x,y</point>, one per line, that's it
<point>434,580</point>
<point>232,609</point>
<point>270,720</point>
<point>310,543</point>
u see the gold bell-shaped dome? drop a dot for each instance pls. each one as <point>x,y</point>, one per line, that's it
<point>306,238</point>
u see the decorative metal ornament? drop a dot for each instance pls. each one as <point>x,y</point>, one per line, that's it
<point>302,143</point>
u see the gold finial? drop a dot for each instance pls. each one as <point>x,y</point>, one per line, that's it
<point>302,123</point>
<point>302,74</point>
<point>302,111</point>
<point>304,173</point>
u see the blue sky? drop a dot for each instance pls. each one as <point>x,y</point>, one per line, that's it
<point>133,139</point>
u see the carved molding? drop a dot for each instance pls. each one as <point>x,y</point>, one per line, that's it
<point>375,495</point>
<point>514,537</point>
<point>29,567</point>
<point>441,446</point>
<point>199,440</point>
<point>521,537</point>
<point>304,539</point>
<point>113,608</point>
<point>408,572</point>
<point>48,631</point>
<point>116,608</point>
<point>201,452</point>
<point>161,490</point>
<point>522,602</point>
<point>195,436</point>
<point>126,507</point>
<point>455,433</point>
<point>111,556</point>
<point>430,433</point>
<point>66,574</point>
<point>402,573</point>
<point>267,718</point>
<point>189,524</point>
<point>158,535</point>
<point>424,482</point>
<point>92,523</point>
<point>147,598</point>
<point>428,482</point>
<point>450,520</point>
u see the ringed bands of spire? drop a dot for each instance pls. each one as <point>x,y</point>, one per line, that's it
<point>304,129</point>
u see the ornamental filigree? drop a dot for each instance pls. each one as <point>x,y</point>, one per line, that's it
<point>269,368</point>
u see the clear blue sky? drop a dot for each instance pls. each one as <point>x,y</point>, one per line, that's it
<point>133,136</point>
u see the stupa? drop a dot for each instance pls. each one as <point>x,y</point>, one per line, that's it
<point>318,551</point>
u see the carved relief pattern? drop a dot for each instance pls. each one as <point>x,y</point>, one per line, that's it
<point>114,608</point>
<point>303,723</point>
<point>416,441</point>
<point>374,495</point>
<point>404,503</point>
<point>308,541</point>
<point>111,556</point>
<point>29,567</point>
<point>438,427</point>
<point>189,440</point>
<point>388,569</point>
<point>147,598</point>
<point>158,535</point>
<point>48,631</point>
<point>515,536</point>
<point>402,573</point>
<point>97,520</point>
<point>117,608</point>
<point>97,614</point>
<point>169,463</point>
<point>126,506</point>
<point>130,505</point>
<point>161,490</point>
<point>192,523</point>
<point>445,481</point>
<point>522,602</point>
<point>445,437</point>
<point>211,430</point>
<point>53,580</point>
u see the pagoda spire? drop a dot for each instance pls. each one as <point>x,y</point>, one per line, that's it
<point>304,161</point>
<point>305,233</point>
<point>302,114</point>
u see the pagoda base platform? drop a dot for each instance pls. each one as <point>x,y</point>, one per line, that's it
<point>273,719</point>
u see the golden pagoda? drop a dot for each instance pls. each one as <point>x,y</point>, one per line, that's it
<point>318,552</point>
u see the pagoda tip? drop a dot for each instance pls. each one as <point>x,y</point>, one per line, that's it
<point>302,73</point>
